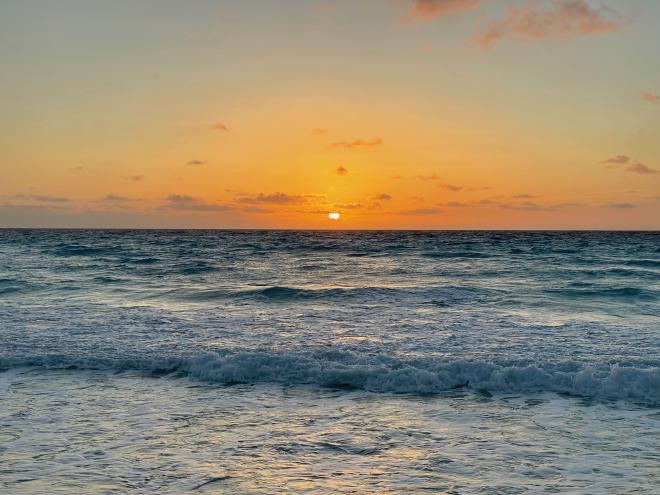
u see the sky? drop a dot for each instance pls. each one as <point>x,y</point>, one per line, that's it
<point>396,114</point>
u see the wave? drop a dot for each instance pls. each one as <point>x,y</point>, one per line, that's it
<point>285,294</point>
<point>645,263</point>
<point>625,293</point>
<point>381,373</point>
<point>457,254</point>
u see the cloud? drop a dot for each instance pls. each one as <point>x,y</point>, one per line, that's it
<point>196,162</point>
<point>450,187</point>
<point>621,206</point>
<point>634,167</point>
<point>421,211</point>
<point>41,198</point>
<point>358,143</point>
<point>33,208</point>
<point>563,18</point>
<point>116,198</point>
<point>319,130</point>
<point>650,97</point>
<point>341,171</point>
<point>219,126</point>
<point>277,198</point>
<point>396,177</point>
<point>190,203</point>
<point>134,178</point>
<point>618,160</point>
<point>428,177</point>
<point>256,209</point>
<point>427,10</point>
<point>561,206</point>
<point>640,168</point>
<point>522,196</point>
<point>348,206</point>
<point>382,197</point>
<point>525,205</point>
<point>442,185</point>
<point>521,206</point>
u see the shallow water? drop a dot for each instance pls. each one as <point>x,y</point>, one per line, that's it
<point>267,362</point>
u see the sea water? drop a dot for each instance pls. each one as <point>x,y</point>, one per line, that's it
<point>329,362</point>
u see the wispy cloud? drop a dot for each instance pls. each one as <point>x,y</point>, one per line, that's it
<point>190,203</point>
<point>562,18</point>
<point>512,205</point>
<point>319,131</point>
<point>450,187</point>
<point>627,163</point>
<point>426,10</point>
<point>420,211</point>
<point>256,209</point>
<point>441,185</point>
<point>117,198</point>
<point>134,178</point>
<point>522,196</point>
<point>348,206</point>
<point>621,206</point>
<point>650,97</point>
<point>640,168</point>
<point>382,197</point>
<point>40,198</point>
<point>341,171</point>
<point>618,160</point>
<point>219,126</point>
<point>358,143</point>
<point>196,162</point>
<point>277,198</point>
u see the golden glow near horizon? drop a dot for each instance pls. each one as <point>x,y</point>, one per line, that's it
<point>272,114</point>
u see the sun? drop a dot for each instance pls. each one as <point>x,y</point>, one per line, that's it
<point>334,215</point>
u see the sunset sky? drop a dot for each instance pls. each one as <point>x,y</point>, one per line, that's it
<point>401,114</point>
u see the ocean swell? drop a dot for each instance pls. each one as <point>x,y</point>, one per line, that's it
<point>380,373</point>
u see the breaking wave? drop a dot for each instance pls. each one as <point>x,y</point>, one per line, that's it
<point>381,373</point>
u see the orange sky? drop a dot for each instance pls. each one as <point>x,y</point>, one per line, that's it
<point>397,114</point>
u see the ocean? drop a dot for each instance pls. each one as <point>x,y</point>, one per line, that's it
<point>154,361</point>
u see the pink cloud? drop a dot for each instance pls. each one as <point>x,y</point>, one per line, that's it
<point>650,97</point>
<point>640,168</point>
<point>426,10</point>
<point>566,18</point>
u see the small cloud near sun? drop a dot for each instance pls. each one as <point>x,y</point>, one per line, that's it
<point>382,197</point>
<point>134,178</point>
<point>319,130</point>
<point>197,162</point>
<point>341,171</point>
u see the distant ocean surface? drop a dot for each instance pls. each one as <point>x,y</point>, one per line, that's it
<point>329,362</point>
